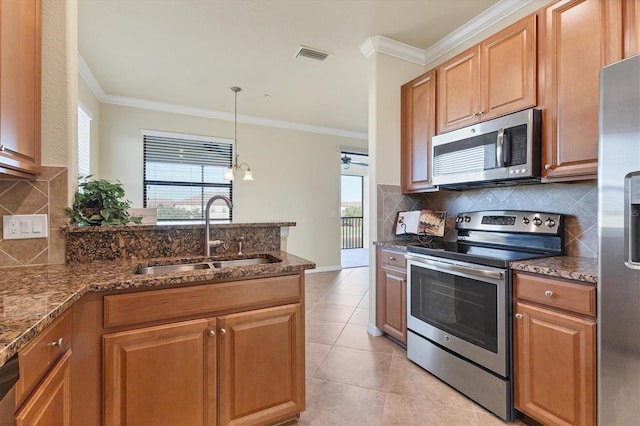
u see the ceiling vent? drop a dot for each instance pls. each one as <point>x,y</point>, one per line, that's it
<point>308,54</point>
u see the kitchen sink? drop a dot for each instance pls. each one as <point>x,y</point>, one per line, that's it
<point>214,264</point>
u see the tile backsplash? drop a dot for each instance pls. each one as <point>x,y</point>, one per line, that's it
<point>45,195</point>
<point>578,201</point>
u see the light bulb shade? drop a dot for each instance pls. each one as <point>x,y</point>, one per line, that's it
<point>228,174</point>
<point>248,175</point>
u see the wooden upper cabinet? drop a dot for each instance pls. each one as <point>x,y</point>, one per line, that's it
<point>631,14</point>
<point>20,35</point>
<point>459,90</point>
<point>508,69</point>
<point>418,111</point>
<point>581,36</point>
<point>495,78</point>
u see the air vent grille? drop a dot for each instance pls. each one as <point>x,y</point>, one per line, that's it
<point>308,54</point>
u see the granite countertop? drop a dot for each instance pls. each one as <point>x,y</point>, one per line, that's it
<point>74,229</point>
<point>32,297</point>
<point>400,245</point>
<point>573,268</point>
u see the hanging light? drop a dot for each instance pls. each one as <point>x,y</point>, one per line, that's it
<point>229,174</point>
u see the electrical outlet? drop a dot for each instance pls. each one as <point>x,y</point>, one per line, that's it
<point>22,226</point>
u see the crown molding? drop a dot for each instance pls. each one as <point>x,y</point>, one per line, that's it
<point>99,93</point>
<point>482,22</point>
<point>381,44</point>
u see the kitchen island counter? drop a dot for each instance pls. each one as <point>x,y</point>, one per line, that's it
<point>32,297</point>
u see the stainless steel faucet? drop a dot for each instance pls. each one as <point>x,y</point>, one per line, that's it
<point>207,218</point>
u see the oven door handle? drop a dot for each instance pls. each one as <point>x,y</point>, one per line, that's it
<point>447,267</point>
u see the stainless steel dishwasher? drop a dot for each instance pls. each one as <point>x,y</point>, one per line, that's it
<point>8,378</point>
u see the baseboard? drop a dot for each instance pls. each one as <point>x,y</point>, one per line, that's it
<point>324,269</point>
<point>373,330</point>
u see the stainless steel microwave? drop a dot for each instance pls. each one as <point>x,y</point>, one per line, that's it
<point>502,151</point>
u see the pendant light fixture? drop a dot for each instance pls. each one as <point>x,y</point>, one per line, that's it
<point>229,174</point>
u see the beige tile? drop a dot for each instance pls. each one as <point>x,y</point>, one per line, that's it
<point>341,299</point>
<point>315,353</point>
<point>365,302</point>
<point>314,296</point>
<point>325,332</point>
<point>356,336</point>
<point>355,289</point>
<point>23,198</point>
<point>407,378</point>
<point>58,200</point>
<point>360,316</point>
<point>327,312</point>
<point>57,246</point>
<point>331,403</point>
<point>409,410</point>
<point>356,367</point>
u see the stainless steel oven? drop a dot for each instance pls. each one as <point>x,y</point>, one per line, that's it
<point>459,300</point>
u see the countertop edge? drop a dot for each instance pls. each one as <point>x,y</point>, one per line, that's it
<point>291,264</point>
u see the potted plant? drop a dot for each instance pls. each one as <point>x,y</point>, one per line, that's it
<point>100,203</point>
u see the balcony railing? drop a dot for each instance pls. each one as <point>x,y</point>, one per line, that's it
<point>352,232</point>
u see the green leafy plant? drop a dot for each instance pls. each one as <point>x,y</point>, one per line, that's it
<point>100,203</point>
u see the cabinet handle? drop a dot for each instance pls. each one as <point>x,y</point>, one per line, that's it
<point>57,343</point>
<point>391,258</point>
<point>2,147</point>
<point>223,331</point>
<point>548,293</point>
<point>212,333</point>
<point>547,166</point>
<point>518,316</point>
<point>474,113</point>
<point>481,111</point>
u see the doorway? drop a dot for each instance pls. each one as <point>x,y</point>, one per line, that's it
<point>354,223</point>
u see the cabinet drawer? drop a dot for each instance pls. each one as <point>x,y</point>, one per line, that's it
<point>579,298</point>
<point>40,354</point>
<point>392,258</point>
<point>157,305</point>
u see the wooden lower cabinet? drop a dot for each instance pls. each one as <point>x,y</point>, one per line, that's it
<point>391,294</point>
<point>555,366</point>
<point>161,375</point>
<point>245,368</point>
<point>50,402</point>
<point>261,366</point>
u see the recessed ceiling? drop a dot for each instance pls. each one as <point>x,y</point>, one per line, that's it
<point>191,52</point>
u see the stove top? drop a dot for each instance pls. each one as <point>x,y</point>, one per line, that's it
<point>495,238</point>
<point>489,256</point>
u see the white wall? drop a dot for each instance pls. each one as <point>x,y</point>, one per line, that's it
<point>90,103</point>
<point>297,174</point>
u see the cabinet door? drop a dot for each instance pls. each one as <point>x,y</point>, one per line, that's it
<point>581,37</point>
<point>555,366</point>
<point>392,310</point>
<point>20,87</point>
<point>459,91</point>
<point>50,402</point>
<point>161,375</point>
<point>631,15</point>
<point>508,69</point>
<point>261,366</point>
<point>418,113</point>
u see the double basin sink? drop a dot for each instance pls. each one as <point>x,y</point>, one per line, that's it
<point>197,266</point>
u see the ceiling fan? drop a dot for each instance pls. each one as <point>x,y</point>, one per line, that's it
<point>348,161</point>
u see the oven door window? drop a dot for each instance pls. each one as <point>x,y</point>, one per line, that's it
<point>464,307</point>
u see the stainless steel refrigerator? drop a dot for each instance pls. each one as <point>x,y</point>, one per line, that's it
<point>619,245</point>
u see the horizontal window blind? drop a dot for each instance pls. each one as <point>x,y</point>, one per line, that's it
<point>182,173</point>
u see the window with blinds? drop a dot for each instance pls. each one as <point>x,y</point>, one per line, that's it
<point>181,173</point>
<point>84,142</point>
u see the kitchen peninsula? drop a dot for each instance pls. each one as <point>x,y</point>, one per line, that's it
<point>130,340</point>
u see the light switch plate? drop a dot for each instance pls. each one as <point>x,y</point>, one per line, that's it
<point>21,226</point>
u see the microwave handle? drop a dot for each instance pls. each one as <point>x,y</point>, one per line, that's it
<point>503,145</point>
<point>499,149</point>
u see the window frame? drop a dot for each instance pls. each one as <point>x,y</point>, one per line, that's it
<point>185,137</point>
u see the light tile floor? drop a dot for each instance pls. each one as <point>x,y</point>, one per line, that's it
<point>354,378</point>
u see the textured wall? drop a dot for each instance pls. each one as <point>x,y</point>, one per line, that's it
<point>46,195</point>
<point>578,201</point>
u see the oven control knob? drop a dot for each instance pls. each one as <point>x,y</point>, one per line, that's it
<point>459,219</point>
<point>550,222</point>
<point>525,220</point>
<point>537,221</point>
<point>447,338</point>
<point>467,219</point>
